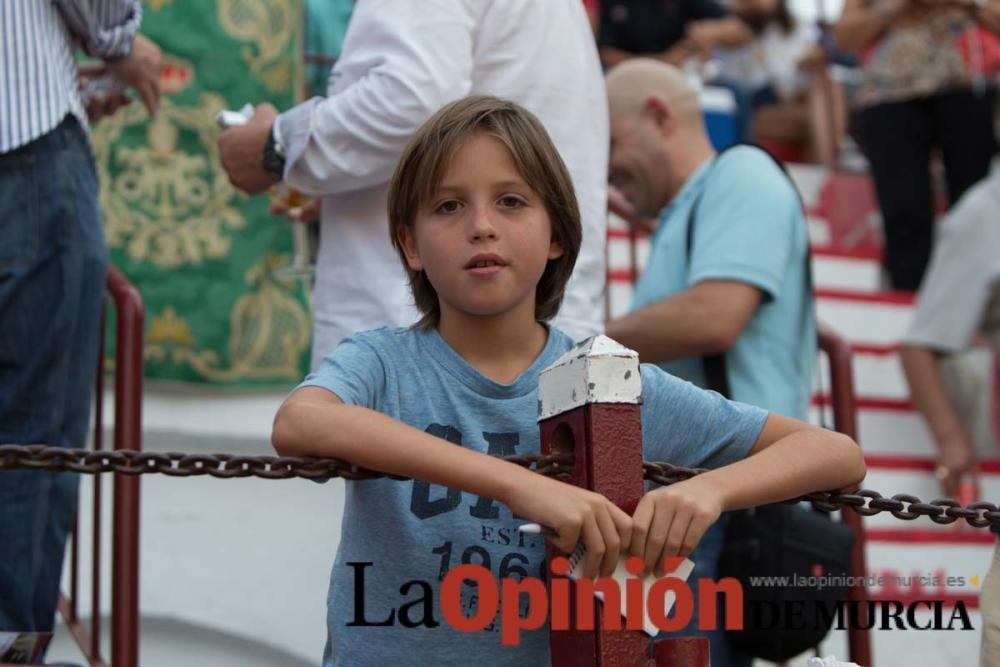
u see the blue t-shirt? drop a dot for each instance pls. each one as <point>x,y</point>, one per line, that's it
<point>414,531</point>
<point>749,228</point>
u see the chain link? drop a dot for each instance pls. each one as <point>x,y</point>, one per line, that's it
<point>865,502</point>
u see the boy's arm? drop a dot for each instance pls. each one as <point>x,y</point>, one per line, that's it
<point>789,459</point>
<point>316,422</point>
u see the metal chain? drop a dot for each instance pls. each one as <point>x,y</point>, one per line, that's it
<point>225,466</point>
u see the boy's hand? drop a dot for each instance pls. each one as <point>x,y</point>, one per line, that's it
<point>671,521</point>
<point>576,515</point>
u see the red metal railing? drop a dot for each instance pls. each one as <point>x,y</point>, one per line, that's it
<point>125,513</point>
<point>845,420</point>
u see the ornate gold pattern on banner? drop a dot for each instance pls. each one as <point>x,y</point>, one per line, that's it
<point>169,328</point>
<point>157,5</point>
<point>164,205</point>
<point>269,332</point>
<point>269,26</point>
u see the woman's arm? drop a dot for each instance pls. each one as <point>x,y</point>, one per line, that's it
<point>315,422</point>
<point>729,32</point>
<point>860,23</point>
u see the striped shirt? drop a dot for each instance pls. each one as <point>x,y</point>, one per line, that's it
<point>38,76</point>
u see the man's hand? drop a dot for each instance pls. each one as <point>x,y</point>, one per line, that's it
<point>98,108</point>
<point>956,462</point>
<point>96,103</point>
<point>703,35</point>
<point>242,147</point>
<point>576,515</point>
<point>140,70</point>
<point>813,60</point>
<point>670,521</point>
<point>679,52</point>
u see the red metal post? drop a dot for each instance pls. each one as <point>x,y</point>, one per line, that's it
<point>128,435</point>
<point>589,405</point>
<point>845,421</point>
<point>682,652</point>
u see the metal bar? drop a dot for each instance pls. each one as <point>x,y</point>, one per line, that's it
<point>128,434</point>
<point>95,582</point>
<point>95,573</point>
<point>80,634</point>
<point>72,613</point>
<point>838,355</point>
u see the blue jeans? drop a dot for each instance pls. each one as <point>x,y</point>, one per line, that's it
<point>706,560</point>
<point>52,271</point>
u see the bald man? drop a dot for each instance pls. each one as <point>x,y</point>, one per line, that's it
<point>727,270</point>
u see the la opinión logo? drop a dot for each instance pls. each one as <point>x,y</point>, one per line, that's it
<point>556,603</point>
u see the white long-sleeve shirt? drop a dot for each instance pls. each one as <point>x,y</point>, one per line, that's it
<point>401,61</point>
<point>38,77</point>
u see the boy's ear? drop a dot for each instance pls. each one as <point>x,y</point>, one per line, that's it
<point>555,249</point>
<point>408,242</point>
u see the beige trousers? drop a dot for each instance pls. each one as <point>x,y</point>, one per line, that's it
<point>989,607</point>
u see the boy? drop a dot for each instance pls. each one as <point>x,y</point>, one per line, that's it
<point>483,215</point>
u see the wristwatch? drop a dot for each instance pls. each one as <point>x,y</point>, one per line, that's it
<point>273,158</point>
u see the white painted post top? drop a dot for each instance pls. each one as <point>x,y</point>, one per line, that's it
<point>598,370</point>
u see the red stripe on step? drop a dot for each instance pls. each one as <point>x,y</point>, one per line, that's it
<point>620,276</point>
<point>885,297</point>
<point>954,534</point>
<point>881,350</point>
<point>615,233</point>
<point>902,462</point>
<point>863,403</point>
<point>865,253</point>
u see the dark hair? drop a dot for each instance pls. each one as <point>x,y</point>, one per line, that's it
<point>425,160</point>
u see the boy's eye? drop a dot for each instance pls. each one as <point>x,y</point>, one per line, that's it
<point>510,201</point>
<point>449,206</point>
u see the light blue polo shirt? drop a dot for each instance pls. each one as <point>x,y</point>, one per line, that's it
<point>750,228</point>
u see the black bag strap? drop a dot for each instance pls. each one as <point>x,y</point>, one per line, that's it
<point>714,366</point>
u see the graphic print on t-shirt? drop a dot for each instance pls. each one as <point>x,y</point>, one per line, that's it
<point>427,501</point>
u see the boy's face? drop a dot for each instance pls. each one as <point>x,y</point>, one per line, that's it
<point>484,237</point>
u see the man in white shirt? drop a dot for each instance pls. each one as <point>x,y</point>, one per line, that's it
<point>959,300</point>
<point>402,61</point>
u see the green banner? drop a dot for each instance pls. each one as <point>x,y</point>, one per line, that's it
<point>203,254</point>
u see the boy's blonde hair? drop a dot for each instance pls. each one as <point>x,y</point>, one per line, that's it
<point>425,160</point>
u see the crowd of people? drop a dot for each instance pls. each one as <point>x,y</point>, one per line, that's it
<point>461,156</point>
